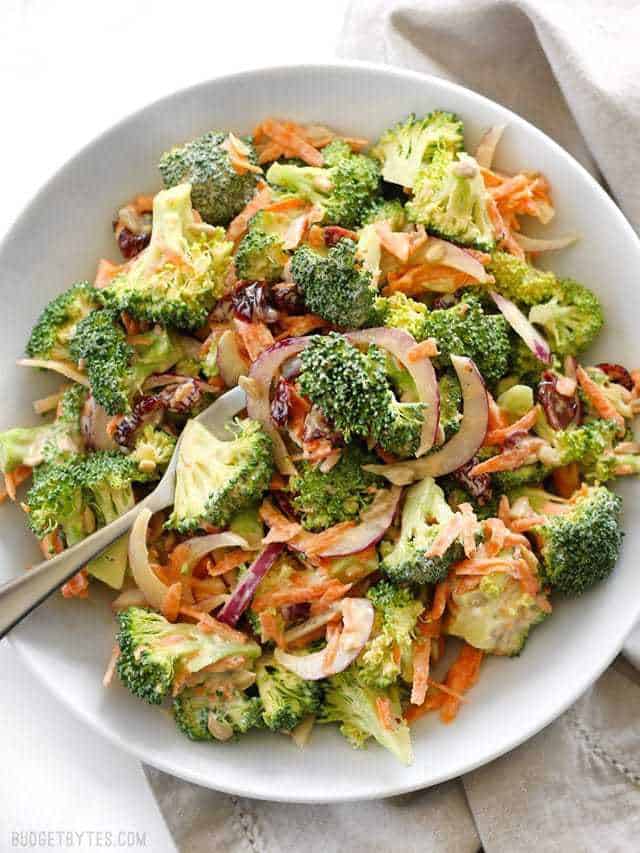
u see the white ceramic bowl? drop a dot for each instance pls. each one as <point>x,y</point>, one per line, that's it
<point>58,239</point>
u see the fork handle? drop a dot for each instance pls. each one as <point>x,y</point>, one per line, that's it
<point>20,596</point>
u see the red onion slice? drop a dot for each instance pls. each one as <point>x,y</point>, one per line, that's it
<point>199,546</point>
<point>262,372</point>
<point>146,579</point>
<point>464,444</point>
<point>550,244</point>
<point>437,251</point>
<point>245,590</point>
<point>519,323</point>
<point>374,523</point>
<point>488,144</point>
<point>64,368</point>
<point>399,343</point>
<point>357,622</point>
<point>230,361</point>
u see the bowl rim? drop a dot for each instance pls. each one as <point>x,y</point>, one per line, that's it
<point>276,71</point>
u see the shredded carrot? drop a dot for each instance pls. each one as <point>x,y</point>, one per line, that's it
<point>333,593</point>
<point>171,602</point>
<point>269,152</point>
<point>12,479</point>
<point>334,633</point>
<point>448,534</point>
<point>385,713</point>
<point>288,136</point>
<point>300,595</point>
<point>462,675</point>
<point>424,278</point>
<point>78,586</point>
<point>598,399</point>
<point>497,418</point>
<point>426,349</point>
<point>105,272</point>
<point>566,479</point>
<point>260,200</point>
<point>284,205</point>
<point>297,326</point>
<point>431,628</point>
<point>433,702</point>
<point>440,598</point>
<point>523,424</point>
<point>504,510</point>
<point>522,525</point>
<point>272,628</point>
<point>111,665</point>
<point>209,625</point>
<point>239,156</point>
<point>497,533</point>
<point>421,658</point>
<point>255,337</point>
<point>280,528</point>
<point>51,544</point>
<point>510,460</point>
<point>231,560</point>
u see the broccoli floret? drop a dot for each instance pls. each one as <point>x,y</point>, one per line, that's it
<point>424,514</point>
<point>450,403</point>
<point>261,254</point>
<point>571,320</point>
<point>341,494</point>
<point>580,547</point>
<point>516,401</point>
<point>181,274</point>
<point>51,442</point>
<point>387,210</point>
<point>388,654</point>
<point>215,479</point>
<point>117,370</point>
<point>519,281</point>
<point>451,200</point>
<point>401,312</point>
<point>57,324</point>
<point>286,698</point>
<point>586,444</point>
<point>404,148</point>
<point>153,450</point>
<point>523,364</point>
<point>148,665</point>
<point>334,285</point>
<point>55,500</point>
<point>505,482</point>
<point>216,709</point>
<point>344,190</point>
<point>100,343</point>
<point>22,446</point>
<point>218,191</point>
<point>496,616</point>
<point>352,390</point>
<point>355,707</point>
<point>465,329</point>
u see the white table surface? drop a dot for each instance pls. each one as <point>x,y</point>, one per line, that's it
<point>68,70</point>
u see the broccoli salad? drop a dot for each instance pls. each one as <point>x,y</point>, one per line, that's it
<point>423,469</point>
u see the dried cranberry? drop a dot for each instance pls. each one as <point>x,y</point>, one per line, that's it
<point>334,233</point>
<point>560,410</point>
<point>617,373</point>
<point>284,504</point>
<point>146,409</point>
<point>479,487</point>
<point>131,244</point>
<point>447,300</point>
<point>316,426</point>
<point>281,403</point>
<point>286,297</point>
<point>296,612</point>
<point>251,302</point>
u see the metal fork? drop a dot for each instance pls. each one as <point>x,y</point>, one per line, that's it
<point>20,596</point>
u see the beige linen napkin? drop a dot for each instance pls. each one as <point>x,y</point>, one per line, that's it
<point>572,68</point>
